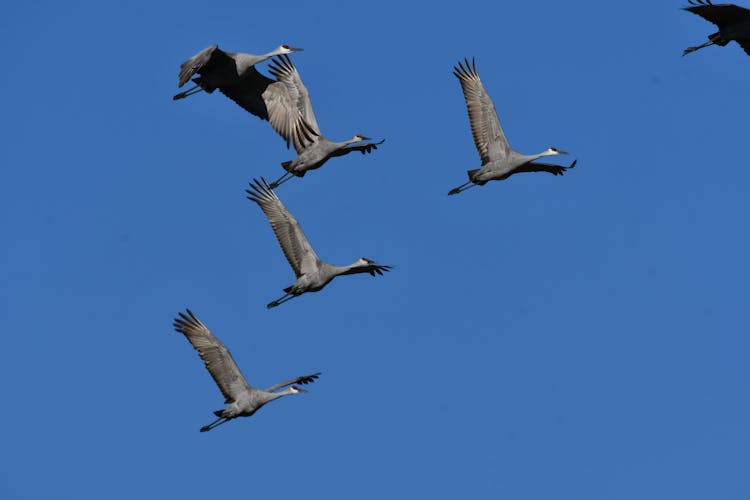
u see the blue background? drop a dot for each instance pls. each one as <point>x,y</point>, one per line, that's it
<point>582,337</point>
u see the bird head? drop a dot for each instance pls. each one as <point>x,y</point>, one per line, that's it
<point>364,261</point>
<point>360,137</point>
<point>555,151</point>
<point>286,49</point>
<point>296,390</point>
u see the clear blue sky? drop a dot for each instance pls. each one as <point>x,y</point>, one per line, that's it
<point>583,337</point>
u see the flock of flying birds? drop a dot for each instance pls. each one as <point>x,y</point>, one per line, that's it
<point>285,103</point>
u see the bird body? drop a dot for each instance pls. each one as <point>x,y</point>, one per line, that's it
<point>242,399</point>
<point>732,20</point>
<point>513,164</point>
<point>317,153</point>
<point>499,160</point>
<point>312,273</point>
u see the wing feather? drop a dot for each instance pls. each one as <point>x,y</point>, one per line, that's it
<point>545,167</point>
<point>215,355</point>
<point>485,126</point>
<point>720,14</point>
<point>302,380</point>
<point>270,100</point>
<point>248,93</point>
<point>283,69</point>
<point>205,59</point>
<point>297,249</point>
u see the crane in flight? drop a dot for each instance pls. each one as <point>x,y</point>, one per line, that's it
<point>499,160</point>
<point>241,398</point>
<point>312,273</point>
<point>732,20</point>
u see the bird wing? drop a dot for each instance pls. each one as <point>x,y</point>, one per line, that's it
<point>294,100</point>
<point>545,167</point>
<point>362,148</point>
<point>215,355</point>
<point>297,249</point>
<point>303,380</point>
<point>206,58</point>
<point>248,93</point>
<point>745,44</point>
<point>270,100</point>
<point>721,14</point>
<point>485,126</point>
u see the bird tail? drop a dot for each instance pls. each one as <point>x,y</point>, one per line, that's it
<point>471,173</point>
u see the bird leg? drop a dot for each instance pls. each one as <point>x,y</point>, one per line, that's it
<point>287,296</point>
<point>281,180</point>
<point>693,49</point>
<point>461,188</point>
<point>215,423</point>
<point>187,93</point>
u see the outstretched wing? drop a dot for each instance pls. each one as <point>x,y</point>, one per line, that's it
<point>362,148</point>
<point>205,59</point>
<point>721,14</point>
<point>215,355</point>
<point>283,69</point>
<point>745,44</point>
<point>545,167</point>
<point>303,380</point>
<point>247,93</point>
<point>270,100</point>
<point>485,126</point>
<point>297,249</point>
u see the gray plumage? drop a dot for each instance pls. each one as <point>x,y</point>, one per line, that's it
<point>733,22</point>
<point>499,160</point>
<point>234,74</point>
<point>241,398</point>
<point>312,273</point>
<point>289,108</point>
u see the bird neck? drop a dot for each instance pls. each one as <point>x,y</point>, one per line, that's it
<point>353,268</point>
<point>270,396</point>
<point>540,155</point>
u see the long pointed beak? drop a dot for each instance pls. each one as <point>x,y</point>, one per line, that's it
<point>563,152</point>
<point>363,138</point>
<point>296,49</point>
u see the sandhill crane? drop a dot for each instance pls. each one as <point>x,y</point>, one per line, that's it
<point>218,68</point>
<point>499,160</point>
<point>311,272</point>
<point>733,22</point>
<point>288,96</point>
<point>241,398</point>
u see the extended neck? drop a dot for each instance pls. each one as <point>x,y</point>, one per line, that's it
<point>271,396</point>
<point>353,268</point>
